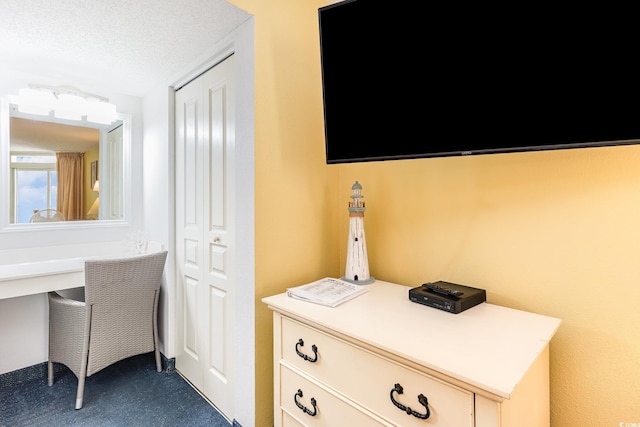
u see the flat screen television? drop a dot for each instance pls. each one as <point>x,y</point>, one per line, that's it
<point>402,84</point>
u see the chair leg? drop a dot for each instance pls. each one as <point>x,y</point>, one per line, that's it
<point>158,362</point>
<point>50,374</point>
<point>155,331</point>
<point>80,394</point>
<point>84,360</point>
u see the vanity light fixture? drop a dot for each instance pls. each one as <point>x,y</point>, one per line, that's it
<point>65,103</point>
<point>33,101</point>
<point>100,112</point>
<point>69,107</point>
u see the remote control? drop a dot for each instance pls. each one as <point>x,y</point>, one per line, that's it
<point>443,291</point>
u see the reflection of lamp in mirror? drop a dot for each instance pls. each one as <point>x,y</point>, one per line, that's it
<point>93,210</point>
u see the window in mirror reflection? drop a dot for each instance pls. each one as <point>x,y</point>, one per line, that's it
<point>34,181</point>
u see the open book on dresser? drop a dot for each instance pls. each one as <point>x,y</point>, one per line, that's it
<point>328,291</point>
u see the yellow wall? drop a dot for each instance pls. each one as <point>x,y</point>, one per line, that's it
<point>556,233</point>
<point>296,222</point>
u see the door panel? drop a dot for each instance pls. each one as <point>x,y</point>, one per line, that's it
<point>189,115</point>
<point>190,323</point>
<point>204,233</point>
<point>218,380</point>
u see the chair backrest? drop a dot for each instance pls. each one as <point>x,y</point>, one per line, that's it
<point>121,296</point>
<point>46,215</point>
<point>109,280</point>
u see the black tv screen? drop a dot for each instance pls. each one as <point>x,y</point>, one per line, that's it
<point>399,84</point>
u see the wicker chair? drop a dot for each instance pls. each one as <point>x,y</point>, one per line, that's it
<point>117,319</point>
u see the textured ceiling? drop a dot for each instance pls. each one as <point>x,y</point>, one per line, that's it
<point>127,47</point>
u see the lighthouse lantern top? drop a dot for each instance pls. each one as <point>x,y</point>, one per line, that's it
<point>357,205</point>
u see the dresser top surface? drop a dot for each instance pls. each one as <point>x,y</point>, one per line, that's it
<point>488,346</point>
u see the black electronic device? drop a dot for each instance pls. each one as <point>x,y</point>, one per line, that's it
<point>447,296</point>
<point>399,83</point>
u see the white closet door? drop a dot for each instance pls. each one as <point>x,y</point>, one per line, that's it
<point>205,233</point>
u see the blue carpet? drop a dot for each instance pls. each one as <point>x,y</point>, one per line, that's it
<point>128,393</point>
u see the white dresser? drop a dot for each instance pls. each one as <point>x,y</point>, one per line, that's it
<point>382,360</point>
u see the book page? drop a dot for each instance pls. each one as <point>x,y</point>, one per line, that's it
<point>328,291</point>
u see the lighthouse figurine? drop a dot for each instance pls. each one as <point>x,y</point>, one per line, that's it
<point>357,270</point>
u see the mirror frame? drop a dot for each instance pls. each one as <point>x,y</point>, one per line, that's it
<point>5,140</point>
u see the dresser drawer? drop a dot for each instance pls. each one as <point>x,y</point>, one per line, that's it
<point>370,379</point>
<point>329,410</point>
<point>289,421</point>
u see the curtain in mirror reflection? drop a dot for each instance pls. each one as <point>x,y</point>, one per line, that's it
<point>70,169</point>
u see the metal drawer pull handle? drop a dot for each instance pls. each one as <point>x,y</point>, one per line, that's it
<point>304,408</point>
<point>421,398</point>
<point>304,356</point>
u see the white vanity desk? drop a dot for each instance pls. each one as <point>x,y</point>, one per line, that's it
<point>30,278</point>
<point>34,277</point>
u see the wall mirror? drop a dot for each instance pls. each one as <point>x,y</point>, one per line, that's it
<point>44,159</point>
